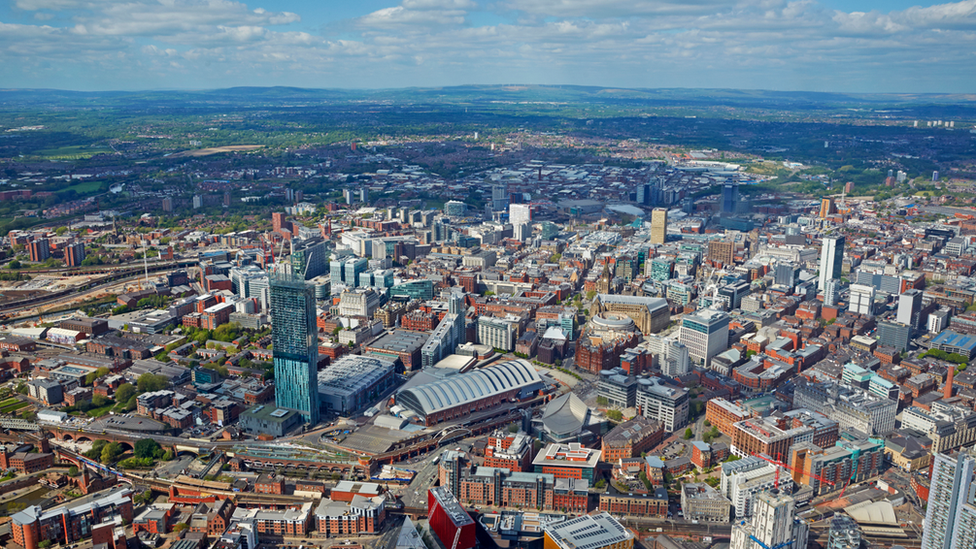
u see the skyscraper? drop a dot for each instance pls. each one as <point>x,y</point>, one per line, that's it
<point>295,345</point>
<point>950,521</point>
<point>730,197</point>
<point>519,214</point>
<point>831,259</point>
<point>910,307</point>
<point>773,524</point>
<point>659,226</point>
<point>787,274</point>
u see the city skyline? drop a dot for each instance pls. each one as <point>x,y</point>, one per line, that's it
<point>826,45</point>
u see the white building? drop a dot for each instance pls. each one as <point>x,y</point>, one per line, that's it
<point>862,299</point>
<point>667,404</point>
<point>706,333</point>
<point>742,480</point>
<point>774,524</point>
<point>519,214</point>
<point>671,356</point>
<point>831,259</point>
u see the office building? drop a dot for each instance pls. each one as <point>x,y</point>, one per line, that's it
<point>600,531</point>
<point>361,302</point>
<point>950,519</point>
<point>454,208</point>
<point>294,335</point>
<point>832,292</point>
<point>862,299</point>
<point>519,214</point>
<point>703,503</point>
<point>662,402</point>
<point>706,333</point>
<point>910,308</point>
<point>827,207</point>
<point>721,252</point>
<point>850,407</point>
<point>670,356</point>
<point>787,274</point>
<point>730,197</point>
<point>448,334</point>
<point>773,524</point>
<point>831,259</point>
<point>659,226</point>
<point>449,521</point>
<point>498,333</point>
<point>571,460</point>
<point>894,334</point>
<point>309,258</point>
<point>499,197</point>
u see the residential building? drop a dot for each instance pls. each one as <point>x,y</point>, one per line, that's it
<point>773,524</point>
<point>950,518</point>
<point>748,477</point>
<point>631,438</point>
<point>659,226</point>
<point>294,335</point>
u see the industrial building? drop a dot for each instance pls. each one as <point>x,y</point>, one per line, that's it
<point>353,381</point>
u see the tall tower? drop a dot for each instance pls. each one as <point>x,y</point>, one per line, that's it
<point>730,197</point>
<point>659,226</point>
<point>910,307</point>
<point>951,515</point>
<point>295,345</point>
<point>831,259</point>
<point>773,524</point>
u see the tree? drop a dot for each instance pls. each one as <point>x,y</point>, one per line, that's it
<point>647,482</point>
<point>149,382</point>
<point>688,434</point>
<point>22,388</point>
<point>125,392</point>
<point>147,448</point>
<point>168,455</point>
<point>72,471</point>
<point>92,376</point>
<point>615,415</point>
<point>180,527</point>
<point>111,452</point>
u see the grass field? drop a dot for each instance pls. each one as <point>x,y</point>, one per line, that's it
<point>14,407</point>
<point>83,188</point>
<point>9,401</point>
<point>99,412</point>
<point>74,152</point>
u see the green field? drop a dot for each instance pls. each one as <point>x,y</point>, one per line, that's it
<point>14,407</point>
<point>9,401</point>
<point>74,152</point>
<point>83,188</point>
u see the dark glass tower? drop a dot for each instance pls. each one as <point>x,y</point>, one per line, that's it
<point>295,345</point>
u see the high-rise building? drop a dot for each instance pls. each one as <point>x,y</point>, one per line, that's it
<point>670,356</point>
<point>39,250</point>
<point>831,259</point>
<point>309,258</point>
<point>666,403</point>
<point>644,194</point>
<point>197,202</point>
<point>295,345</point>
<point>706,333</point>
<point>894,334</point>
<point>659,226</point>
<point>787,274</point>
<point>773,524</point>
<point>519,214</point>
<point>827,207</point>
<point>448,334</point>
<point>862,299</point>
<point>831,292</point>
<point>730,197</point>
<point>844,533</point>
<point>499,197</point>
<point>910,308</point>
<point>950,520</point>
<point>74,254</point>
<point>722,252</point>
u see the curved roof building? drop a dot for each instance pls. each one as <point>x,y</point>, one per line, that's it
<point>442,398</point>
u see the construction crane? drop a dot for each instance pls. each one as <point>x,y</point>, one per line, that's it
<point>791,469</point>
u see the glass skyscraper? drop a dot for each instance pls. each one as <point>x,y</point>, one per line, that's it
<point>295,345</point>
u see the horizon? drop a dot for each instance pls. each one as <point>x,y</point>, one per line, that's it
<point>825,46</point>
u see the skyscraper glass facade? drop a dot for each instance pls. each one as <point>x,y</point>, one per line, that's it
<point>295,345</point>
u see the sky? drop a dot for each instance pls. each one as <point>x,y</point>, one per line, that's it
<point>871,46</point>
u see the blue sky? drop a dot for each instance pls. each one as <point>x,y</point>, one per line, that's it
<point>815,45</point>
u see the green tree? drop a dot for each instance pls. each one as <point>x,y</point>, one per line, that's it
<point>125,392</point>
<point>72,471</point>
<point>22,388</point>
<point>615,415</point>
<point>92,376</point>
<point>147,448</point>
<point>149,382</point>
<point>688,434</point>
<point>111,452</point>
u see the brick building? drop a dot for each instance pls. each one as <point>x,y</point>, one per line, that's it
<point>631,438</point>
